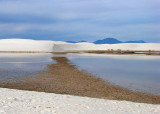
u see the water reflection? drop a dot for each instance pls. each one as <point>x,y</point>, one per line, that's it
<point>140,73</point>
<point>25,57</point>
<point>19,65</point>
<point>135,74</point>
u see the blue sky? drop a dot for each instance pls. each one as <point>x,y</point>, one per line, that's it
<point>80,19</point>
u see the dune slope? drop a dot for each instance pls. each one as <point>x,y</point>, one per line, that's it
<point>55,46</point>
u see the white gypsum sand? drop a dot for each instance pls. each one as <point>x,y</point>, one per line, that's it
<point>25,45</point>
<point>29,102</point>
<point>55,46</point>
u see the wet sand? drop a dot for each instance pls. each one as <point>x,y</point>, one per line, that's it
<point>64,78</point>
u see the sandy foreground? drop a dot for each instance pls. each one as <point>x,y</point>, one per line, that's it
<point>29,102</point>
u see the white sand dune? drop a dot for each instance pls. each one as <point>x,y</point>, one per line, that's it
<point>123,46</point>
<point>55,46</point>
<point>25,45</point>
<point>29,102</point>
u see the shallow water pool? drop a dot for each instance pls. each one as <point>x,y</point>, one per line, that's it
<point>135,72</point>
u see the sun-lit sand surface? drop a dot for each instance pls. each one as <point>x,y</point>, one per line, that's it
<point>26,45</point>
<point>27,102</point>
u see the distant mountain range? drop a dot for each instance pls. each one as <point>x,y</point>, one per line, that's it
<point>110,41</point>
<point>115,41</point>
<point>137,41</point>
<point>107,41</point>
<point>75,41</point>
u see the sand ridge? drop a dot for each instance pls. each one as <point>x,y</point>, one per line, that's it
<point>28,45</point>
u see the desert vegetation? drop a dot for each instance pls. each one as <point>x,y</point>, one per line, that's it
<point>112,51</point>
<point>107,51</point>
